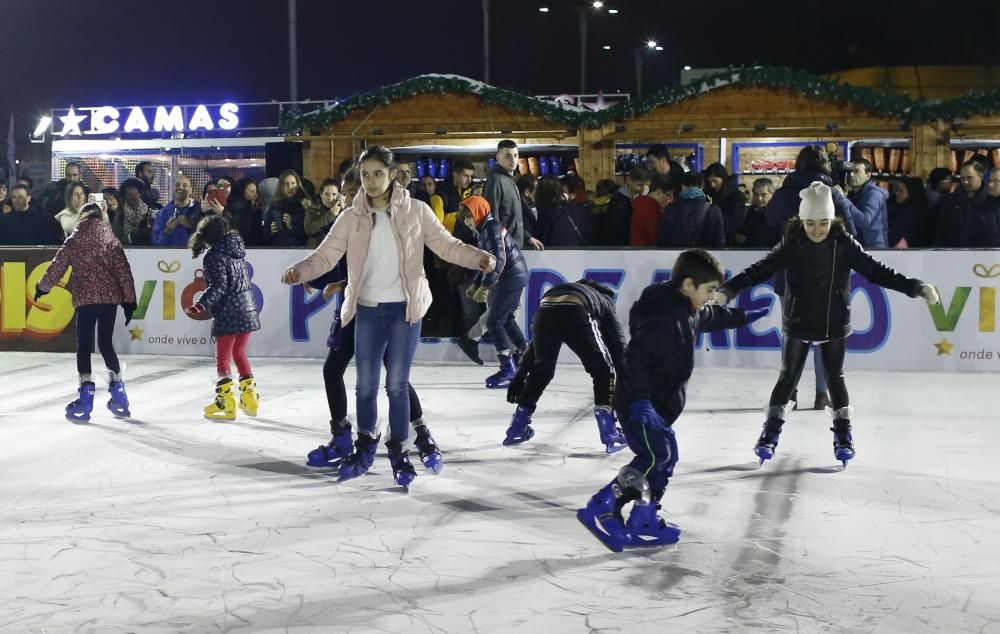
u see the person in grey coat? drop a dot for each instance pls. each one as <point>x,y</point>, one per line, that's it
<point>501,192</point>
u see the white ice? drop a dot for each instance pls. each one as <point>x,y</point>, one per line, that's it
<point>171,523</point>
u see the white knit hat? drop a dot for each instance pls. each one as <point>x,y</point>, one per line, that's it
<point>817,202</point>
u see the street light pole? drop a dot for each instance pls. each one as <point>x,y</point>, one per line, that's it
<point>638,74</point>
<point>583,51</point>
<point>293,53</point>
<point>486,41</point>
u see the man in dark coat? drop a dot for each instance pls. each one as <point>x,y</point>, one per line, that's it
<point>957,217</point>
<point>692,220</point>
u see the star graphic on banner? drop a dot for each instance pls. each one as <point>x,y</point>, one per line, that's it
<point>136,333</point>
<point>944,347</point>
<point>71,123</point>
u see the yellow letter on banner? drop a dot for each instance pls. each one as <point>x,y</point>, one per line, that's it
<point>987,309</point>
<point>53,311</point>
<point>12,287</point>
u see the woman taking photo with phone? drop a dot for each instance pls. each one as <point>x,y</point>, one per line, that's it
<point>75,198</point>
<point>383,235</point>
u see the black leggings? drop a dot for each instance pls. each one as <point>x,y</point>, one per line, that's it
<point>793,359</point>
<point>553,325</point>
<point>334,368</point>
<point>102,316</point>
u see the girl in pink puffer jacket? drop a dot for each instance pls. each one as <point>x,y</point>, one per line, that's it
<point>383,235</point>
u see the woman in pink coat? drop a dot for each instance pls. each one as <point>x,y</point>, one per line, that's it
<point>383,235</point>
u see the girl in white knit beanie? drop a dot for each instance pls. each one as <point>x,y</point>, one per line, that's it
<point>817,256</point>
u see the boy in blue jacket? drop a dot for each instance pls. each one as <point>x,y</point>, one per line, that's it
<point>664,324</point>
<point>501,288</point>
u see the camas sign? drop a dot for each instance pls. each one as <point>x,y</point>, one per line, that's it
<point>108,120</point>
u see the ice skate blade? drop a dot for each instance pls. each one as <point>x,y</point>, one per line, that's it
<point>525,436</point>
<point>614,448</point>
<point>590,521</point>
<point>670,534</point>
<point>252,413</point>
<point>433,463</point>
<point>498,386</point>
<point>764,453</point>
<point>83,418</point>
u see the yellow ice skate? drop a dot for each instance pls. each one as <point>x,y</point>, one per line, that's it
<point>249,399</point>
<point>224,405</point>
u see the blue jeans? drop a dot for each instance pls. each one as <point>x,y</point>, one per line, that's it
<point>383,331</point>
<point>502,320</point>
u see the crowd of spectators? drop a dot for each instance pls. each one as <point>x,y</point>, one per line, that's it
<point>658,204</point>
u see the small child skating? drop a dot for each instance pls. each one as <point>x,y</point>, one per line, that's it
<point>100,282</point>
<point>580,314</point>
<point>664,325</point>
<point>817,256</point>
<point>500,288</point>
<point>229,298</point>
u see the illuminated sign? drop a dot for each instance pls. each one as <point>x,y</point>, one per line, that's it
<point>108,120</point>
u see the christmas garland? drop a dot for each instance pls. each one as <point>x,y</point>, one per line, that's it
<point>889,105</point>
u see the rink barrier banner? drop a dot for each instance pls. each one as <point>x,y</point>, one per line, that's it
<point>891,331</point>
<point>44,326</point>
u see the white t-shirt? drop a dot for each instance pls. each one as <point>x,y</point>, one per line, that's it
<point>381,282</point>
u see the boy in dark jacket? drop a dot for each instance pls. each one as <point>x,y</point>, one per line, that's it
<point>659,359</point>
<point>580,314</point>
<point>501,288</point>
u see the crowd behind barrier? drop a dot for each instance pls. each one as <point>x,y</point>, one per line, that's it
<point>658,204</point>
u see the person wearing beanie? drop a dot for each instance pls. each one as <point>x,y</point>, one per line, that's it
<point>817,256</point>
<point>499,288</point>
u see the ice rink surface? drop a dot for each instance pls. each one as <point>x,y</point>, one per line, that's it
<point>171,523</point>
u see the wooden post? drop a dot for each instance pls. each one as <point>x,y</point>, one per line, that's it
<point>597,154</point>
<point>931,147</point>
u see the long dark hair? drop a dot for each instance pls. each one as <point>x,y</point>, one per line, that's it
<point>211,230</point>
<point>794,229</point>
<point>384,156</point>
<point>549,193</point>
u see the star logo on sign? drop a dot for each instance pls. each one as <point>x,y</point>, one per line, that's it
<point>136,333</point>
<point>944,347</point>
<point>71,123</point>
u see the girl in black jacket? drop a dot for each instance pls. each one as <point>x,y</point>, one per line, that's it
<point>817,256</point>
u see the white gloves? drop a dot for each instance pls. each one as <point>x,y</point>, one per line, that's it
<point>930,294</point>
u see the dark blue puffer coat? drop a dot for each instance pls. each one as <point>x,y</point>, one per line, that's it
<point>229,296</point>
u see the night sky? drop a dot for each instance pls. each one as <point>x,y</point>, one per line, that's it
<point>98,52</point>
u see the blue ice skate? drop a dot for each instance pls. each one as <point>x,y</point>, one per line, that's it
<point>768,440</point>
<point>339,447</point>
<point>430,455</point>
<point>80,409</point>
<point>502,378</point>
<point>402,471</point>
<point>611,434</point>
<point>646,528</point>
<point>519,430</point>
<point>361,459</point>
<point>843,443</point>
<point>603,520</point>
<point>118,403</point>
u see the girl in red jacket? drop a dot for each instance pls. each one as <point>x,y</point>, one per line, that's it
<point>101,281</point>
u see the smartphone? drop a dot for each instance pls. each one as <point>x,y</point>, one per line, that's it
<point>97,199</point>
<point>219,195</point>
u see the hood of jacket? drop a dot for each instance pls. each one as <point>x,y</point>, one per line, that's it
<point>597,286</point>
<point>479,207</point>
<point>871,188</point>
<point>231,246</point>
<point>803,178</point>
